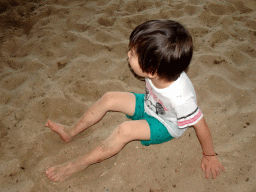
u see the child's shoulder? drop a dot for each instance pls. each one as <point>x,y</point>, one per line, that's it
<point>183,90</point>
<point>183,82</point>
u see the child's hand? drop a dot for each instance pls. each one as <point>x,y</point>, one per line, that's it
<point>211,165</point>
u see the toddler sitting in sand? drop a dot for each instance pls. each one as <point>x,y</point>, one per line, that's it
<point>160,51</point>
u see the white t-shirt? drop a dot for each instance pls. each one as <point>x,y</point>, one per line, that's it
<point>174,106</point>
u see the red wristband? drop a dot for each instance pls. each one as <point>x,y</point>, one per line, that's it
<point>210,155</point>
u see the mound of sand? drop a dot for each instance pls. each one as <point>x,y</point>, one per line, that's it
<point>58,57</point>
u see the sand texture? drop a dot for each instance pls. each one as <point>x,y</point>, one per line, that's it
<point>58,57</point>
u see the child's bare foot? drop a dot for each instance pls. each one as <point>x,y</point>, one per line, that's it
<point>60,129</point>
<point>62,172</point>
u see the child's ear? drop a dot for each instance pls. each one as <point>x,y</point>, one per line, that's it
<point>152,75</point>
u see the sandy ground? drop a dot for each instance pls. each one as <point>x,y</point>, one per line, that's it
<point>58,57</point>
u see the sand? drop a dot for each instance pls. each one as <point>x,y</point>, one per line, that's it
<point>58,57</point>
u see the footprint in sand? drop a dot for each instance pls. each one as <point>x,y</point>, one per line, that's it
<point>237,57</point>
<point>248,49</point>
<point>13,64</point>
<point>251,24</point>
<point>218,37</point>
<point>212,61</point>
<point>139,6</point>
<point>241,7</point>
<point>106,22</point>
<point>90,91</point>
<point>218,86</point>
<point>5,96</point>
<point>198,32</point>
<point>72,25</point>
<point>191,9</point>
<point>13,81</point>
<point>219,9</point>
<point>208,19</point>
<point>171,13</point>
<point>132,21</point>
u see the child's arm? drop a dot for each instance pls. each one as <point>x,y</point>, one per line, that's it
<point>210,164</point>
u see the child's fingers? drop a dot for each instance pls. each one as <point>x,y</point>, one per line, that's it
<point>213,173</point>
<point>203,167</point>
<point>207,173</point>
<point>222,168</point>
<point>218,172</point>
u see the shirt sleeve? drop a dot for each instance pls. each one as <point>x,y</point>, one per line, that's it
<point>188,114</point>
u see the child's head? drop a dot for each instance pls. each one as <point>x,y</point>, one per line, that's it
<point>164,47</point>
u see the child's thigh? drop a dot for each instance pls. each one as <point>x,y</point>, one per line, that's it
<point>134,130</point>
<point>121,101</point>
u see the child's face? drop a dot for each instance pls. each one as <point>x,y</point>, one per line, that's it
<point>134,63</point>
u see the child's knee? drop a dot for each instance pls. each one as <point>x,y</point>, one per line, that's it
<point>108,99</point>
<point>124,131</point>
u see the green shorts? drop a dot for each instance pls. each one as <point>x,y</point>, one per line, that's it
<point>158,132</point>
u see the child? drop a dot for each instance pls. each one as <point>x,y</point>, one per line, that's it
<point>160,51</point>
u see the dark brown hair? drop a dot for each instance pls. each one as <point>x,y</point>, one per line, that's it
<point>164,47</point>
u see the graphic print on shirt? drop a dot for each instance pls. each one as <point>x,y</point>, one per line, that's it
<point>158,108</point>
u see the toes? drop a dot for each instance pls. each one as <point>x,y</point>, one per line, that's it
<point>47,124</point>
<point>50,171</point>
<point>55,178</point>
<point>52,175</point>
<point>50,123</point>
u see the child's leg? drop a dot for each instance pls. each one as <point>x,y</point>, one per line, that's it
<point>126,132</point>
<point>111,101</point>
